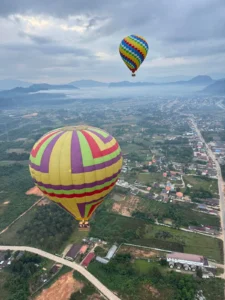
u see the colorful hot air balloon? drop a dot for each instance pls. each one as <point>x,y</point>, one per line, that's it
<point>133,50</point>
<point>76,167</point>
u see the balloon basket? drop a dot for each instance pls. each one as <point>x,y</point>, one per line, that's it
<point>133,75</point>
<point>84,226</point>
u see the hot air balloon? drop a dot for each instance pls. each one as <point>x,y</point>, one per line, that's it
<point>76,167</point>
<point>133,50</point>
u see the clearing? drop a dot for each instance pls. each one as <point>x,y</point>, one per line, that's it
<point>150,178</point>
<point>35,191</point>
<point>62,289</point>
<point>126,207</point>
<point>139,252</point>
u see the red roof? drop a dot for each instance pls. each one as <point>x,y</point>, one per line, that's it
<point>88,259</point>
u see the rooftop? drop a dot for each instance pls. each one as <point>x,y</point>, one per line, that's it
<point>186,256</point>
<point>73,250</point>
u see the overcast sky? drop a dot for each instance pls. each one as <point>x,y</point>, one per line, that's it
<point>64,40</point>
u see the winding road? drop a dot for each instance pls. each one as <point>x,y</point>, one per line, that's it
<point>102,289</point>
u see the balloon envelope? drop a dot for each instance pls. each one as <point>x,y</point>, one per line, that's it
<point>76,167</point>
<point>133,51</point>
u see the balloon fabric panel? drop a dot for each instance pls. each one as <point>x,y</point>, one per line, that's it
<point>76,168</point>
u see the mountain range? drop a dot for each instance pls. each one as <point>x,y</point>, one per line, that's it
<point>36,88</point>
<point>211,86</point>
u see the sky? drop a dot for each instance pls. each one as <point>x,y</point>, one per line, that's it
<point>59,41</point>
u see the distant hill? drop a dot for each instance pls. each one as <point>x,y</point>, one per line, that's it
<point>8,84</point>
<point>128,84</point>
<point>88,83</point>
<point>217,87</point>
<point>36,88</point>
<point>201,80</point>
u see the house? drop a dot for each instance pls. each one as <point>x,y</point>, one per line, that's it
<point>72,253</point>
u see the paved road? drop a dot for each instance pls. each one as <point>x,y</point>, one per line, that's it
<point>106,292</point>
<point>220,184</point>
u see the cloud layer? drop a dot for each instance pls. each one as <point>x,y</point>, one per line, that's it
<point>64,40</point>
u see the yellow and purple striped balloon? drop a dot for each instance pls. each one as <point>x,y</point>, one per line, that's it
<point>76,167</point>
<point>133,51</point>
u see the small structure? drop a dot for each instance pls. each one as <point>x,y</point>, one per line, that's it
<point>72,253</point>
<point>88,259</point>
<point>83,249</point>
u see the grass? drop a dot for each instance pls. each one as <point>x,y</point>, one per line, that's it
<point>192,242</point>
<point>198,182</point>
<point>107,226</point>
<point>142,266</point>
<point>150,178</point>
<point>15,180</point>
<point>10,237</point>
<point>181,211</point>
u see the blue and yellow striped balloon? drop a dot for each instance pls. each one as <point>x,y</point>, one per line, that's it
<point>133,51</point>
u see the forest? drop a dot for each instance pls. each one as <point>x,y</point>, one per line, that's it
<point>49,229</point>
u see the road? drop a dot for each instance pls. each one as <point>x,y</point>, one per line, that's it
<point>106,292</point>
<point>220,184</point>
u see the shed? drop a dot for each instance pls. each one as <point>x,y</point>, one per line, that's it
<point>111,252</point>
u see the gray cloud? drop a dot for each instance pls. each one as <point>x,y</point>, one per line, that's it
<point>193,30</point>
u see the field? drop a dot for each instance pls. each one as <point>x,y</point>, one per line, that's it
<point>204,183</point>
<point>15,180</point>
<point>126,207</point>
<point>150,178</point>
<point>140,232</point>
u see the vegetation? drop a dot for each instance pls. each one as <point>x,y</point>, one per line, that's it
<point>22,275</point>
<point>15,180</point>
<point>86,291</point>
<point>107,226</point>
<point>49,229</point>
<point>149,280</point>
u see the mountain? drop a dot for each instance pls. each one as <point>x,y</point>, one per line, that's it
<point>8,84</point>
<point>36,88</point>
<point>198,80</point>
<point>217,87</point>
<point>88,83</point>
<point>201,80</point>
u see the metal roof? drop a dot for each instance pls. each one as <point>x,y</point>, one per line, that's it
<point>111,252</point>
<point>186,256</point>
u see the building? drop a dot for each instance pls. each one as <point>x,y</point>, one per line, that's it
<point>83,249</point>
<point>111,252</point>
<point>88,259</point>
<point>187,261</point>
<point>102,260</point>
<point>72,253</point>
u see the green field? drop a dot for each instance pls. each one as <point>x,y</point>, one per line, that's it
<point>150,178</point>
<point>204,183</point>
<point>107,226</point>
<point>181,213</point>
<point>15,180</point>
